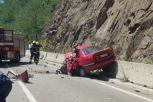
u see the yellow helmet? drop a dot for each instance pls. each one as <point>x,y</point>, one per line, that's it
<point>37,43</point>
<point>34,42</point>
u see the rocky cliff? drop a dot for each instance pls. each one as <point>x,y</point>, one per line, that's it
<point>124,25</point>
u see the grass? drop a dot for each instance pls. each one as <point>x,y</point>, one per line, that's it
<point>125,77</point>
<point>45,44</point>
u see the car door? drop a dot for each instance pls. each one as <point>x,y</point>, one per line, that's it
<point>86,60</point>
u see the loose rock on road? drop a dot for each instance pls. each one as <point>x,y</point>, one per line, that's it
<point>46,86</point>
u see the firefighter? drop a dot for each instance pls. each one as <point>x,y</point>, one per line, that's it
<point>38,46</point>
<point>5,86</point>
<point>32,50</point>
<point>30,47</point>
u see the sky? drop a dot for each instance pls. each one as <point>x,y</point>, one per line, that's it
<point>1,1</point>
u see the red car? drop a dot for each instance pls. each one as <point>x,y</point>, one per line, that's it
<point>86,59</point>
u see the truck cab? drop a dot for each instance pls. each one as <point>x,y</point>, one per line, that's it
<point>11,45</point>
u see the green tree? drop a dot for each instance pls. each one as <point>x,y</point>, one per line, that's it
<point>28,17</point>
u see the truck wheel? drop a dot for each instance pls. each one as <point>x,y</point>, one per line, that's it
<point>12,61</point>
<point>82,72</point>
<point>17,57</point>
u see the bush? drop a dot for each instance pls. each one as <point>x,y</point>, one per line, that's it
<point>45,44</point>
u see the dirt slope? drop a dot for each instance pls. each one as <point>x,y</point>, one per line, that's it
<point>124,25</point>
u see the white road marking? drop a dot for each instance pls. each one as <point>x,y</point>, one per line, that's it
<point>25,89</point>
<point>147,99</point>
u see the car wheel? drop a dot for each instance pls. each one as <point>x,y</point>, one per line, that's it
<point>12,61</point>
<point>82,72</point>
<point>111,70</point>
<point>106,69</point>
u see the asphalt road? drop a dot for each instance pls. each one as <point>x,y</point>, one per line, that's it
<point>46,86</point>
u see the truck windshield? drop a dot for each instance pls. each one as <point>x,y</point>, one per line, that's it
<point>1,35</point>
<point>8,35</point>
<point>91,49</point>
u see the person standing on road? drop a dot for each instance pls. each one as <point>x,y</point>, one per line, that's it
<point>35,51</point>
<point>38,46</point>
<point>32,50</point>
<point>5,86</point>
<point>30,47</point>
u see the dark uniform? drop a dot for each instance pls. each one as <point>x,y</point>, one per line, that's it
<point>5,86</point>
<point>31,51</point>
<point>38,50</point>
<point>34,52</point>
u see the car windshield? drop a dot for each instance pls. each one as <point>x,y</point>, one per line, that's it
<point>91,49</point>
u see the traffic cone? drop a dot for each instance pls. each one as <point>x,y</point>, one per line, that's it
<point>24,76</point>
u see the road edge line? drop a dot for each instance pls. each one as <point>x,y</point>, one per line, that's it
<point>127,92</point>
<point>24,88</point>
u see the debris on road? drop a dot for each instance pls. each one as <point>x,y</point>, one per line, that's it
<point>30,68</point>
<point>54,64</point>
<point>136,90</point>
<point>58,71</point>
<point>31,76</point>
<point>23,76</point>
<point>47,72</point>
<point>45,66</point>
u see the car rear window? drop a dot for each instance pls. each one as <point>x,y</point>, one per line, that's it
<point>91,49</point>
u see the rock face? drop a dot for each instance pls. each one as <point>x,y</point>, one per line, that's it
<point>124,25</point>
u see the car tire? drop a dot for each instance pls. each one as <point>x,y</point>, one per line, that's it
<point>12,61</point>
<point>106,69</point>
<point>82,72</point>
<point>111,70</point>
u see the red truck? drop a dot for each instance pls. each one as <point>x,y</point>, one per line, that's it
<point>88,58</point>
<point>11,46</point>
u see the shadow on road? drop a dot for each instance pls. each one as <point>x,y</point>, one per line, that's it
<point>109,72</point>
<point>28,82</point>
<point>106,75</point>
<point>11,64</point>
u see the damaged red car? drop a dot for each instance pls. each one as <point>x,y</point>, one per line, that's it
<point>87,59</point>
